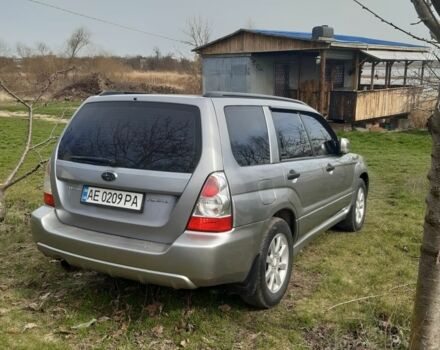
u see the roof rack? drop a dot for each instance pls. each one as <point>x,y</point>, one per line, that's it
<point>245,95</point>
<point>109,92</point>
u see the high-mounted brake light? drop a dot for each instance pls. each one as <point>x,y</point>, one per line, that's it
<point>213,212</point>
<point>47,188</point>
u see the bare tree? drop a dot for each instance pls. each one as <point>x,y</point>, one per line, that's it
<point>13,178</point>
<point>78,40</point>
<point>4,48</point>
<point>42,49</point>
<point>198,31</point>
<point>425,327</point>
<point>23,51</point>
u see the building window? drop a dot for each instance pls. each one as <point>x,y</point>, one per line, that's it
<point>282,73</point>
<point>334,73</point>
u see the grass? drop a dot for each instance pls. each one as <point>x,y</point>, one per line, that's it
<point>56,109</point>
<point>40,302</point>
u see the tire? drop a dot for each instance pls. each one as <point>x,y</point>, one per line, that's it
<point>265,293</point>
<point>354,221</point>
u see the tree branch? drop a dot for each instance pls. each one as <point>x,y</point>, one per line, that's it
<point>25,151</point>
<point>25,175</point>
<point>431,42</point>
<point>28,146</point>
<point>43,142</point>
<point>370,296</point>
<point>427,16</point>
<point>50,81</point>
<point>429,5</point>
<point>415,23</point>
<point>13,94</point>
<point>49,139</point>
<point>436,4</point>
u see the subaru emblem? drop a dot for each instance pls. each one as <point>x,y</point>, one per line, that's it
<point>109,176</point>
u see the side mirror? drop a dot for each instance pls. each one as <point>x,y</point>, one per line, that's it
<point>344,145</point>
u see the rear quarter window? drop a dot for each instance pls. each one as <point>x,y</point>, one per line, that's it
<point>248,134</point>
<point>139,135</point>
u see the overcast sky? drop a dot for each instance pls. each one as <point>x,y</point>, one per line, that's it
<point>28,23</point>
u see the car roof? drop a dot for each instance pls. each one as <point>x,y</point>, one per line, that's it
<point>230,98</point>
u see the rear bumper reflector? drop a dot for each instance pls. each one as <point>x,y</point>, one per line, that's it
<point>48,199</point>
<point>197,223</point>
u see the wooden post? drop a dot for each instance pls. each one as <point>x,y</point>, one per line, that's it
<point>357,72</point>
<point>373,65</point>
<point>299,76</point>
<point>387,67</point>
<point>322,82</point>
<point>389,72</point>
<point>405,73</point>
<point>361,67</point>
<point>422,73</point>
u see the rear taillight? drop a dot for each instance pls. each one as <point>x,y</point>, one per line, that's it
<point>213,212</point>
<point>47,188</point>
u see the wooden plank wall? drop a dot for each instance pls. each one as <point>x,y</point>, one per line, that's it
<point>352,106</point>
<point>386,102</point>
<point>309,93</point>
<point>245,42</point>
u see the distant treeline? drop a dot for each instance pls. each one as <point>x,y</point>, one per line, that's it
<point>158,62</point>
<point>154,62</point>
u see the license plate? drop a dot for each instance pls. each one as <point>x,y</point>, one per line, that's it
<point>112,198</point>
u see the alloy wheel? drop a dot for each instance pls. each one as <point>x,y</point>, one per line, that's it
<point>277,261</point>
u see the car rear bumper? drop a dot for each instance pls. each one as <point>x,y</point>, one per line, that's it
<point>193,260</point>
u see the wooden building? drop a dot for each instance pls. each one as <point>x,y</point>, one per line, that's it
<point>336,74</point>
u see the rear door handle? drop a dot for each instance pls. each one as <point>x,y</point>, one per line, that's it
<point>329,167</point>
<point>293,175</point>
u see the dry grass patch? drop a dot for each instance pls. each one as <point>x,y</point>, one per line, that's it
<point>184,82</point>
<point>4,97</point>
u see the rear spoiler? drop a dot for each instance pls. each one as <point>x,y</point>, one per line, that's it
<point>109,92</point>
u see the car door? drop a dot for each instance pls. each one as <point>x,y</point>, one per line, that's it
<point>303,172</point>
<point>338,170</point>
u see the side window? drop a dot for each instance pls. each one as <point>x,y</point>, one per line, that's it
<point>292,137</point>
<point>248,134</point>
<point>320,138</point>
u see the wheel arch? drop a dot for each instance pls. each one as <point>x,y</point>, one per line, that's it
<point>364,176</point>
<point>289,216</point>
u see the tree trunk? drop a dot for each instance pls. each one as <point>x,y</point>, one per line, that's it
<point>2,205</point>
<point>425,328</point>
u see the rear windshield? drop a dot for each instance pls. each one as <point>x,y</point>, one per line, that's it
<point>138,135</point>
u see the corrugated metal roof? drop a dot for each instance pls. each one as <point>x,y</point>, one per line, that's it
<point>345,39</point>
<point>338,41</point>
<point>386,55</point>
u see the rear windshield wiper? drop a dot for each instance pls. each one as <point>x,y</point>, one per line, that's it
<point>93,160</point>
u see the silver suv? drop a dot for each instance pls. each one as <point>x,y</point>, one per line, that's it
<point>194,191</point>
